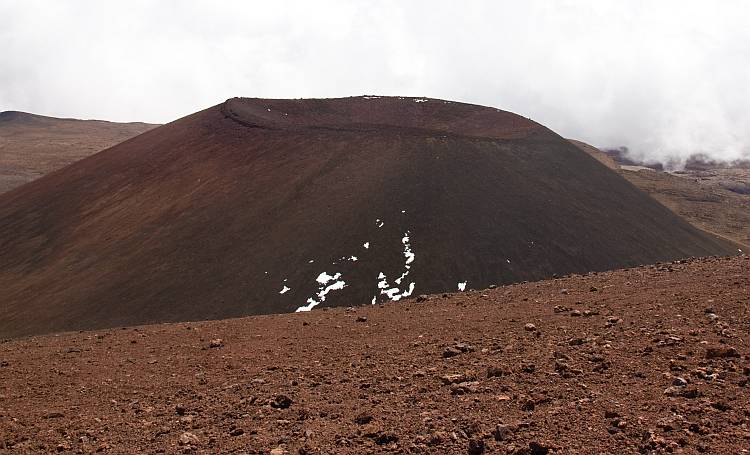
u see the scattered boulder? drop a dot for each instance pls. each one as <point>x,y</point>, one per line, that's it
<point>455,378</point>
<point>538,449</point>
<point>679,382</point>
<point>496,372</point>
<point>188,438</point>
<point>721,352</point>
<point>529,327</point>
<point>464,388</point>
<point>383,438</point>
<point>362,319</point>
<point>457,349</point>
<point>450,352</point>
<point>281,402</point>
<point>422,298</point>
<point>502,432</point>
<point>476,447</point>
<point>216,343</point>
<point>363,419</point>
<point>685,392</point>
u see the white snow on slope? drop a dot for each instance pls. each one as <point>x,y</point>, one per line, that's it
<point>323,279</point>
<point>395,292</point>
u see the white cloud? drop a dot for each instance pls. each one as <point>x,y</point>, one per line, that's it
<point>666,78</point>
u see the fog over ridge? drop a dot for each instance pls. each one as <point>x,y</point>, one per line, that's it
<point>667,79</point>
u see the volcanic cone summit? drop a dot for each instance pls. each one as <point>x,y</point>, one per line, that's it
<point>263,206</point>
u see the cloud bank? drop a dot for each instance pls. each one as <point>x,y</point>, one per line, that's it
<point>666,78</point>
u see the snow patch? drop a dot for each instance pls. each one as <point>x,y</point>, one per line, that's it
<point>323,279</point>
<point>420,100</point>
<point>366,245</point>
<point>462,286</point>
<point>285,289</point>
<point>379,223</point>
<point>396,292</point>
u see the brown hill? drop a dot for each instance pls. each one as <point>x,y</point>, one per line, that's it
<point>647,360</point>
<point>263,206</point>
<point>33,145</point>
<point>715,199</point>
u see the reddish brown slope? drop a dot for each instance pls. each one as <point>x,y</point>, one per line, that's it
<point>716,200</point>
<point>213,215</point>
<point>630,374</point>
<point>33,145</point>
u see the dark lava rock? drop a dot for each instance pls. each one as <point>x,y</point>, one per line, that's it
<point>450,352</point>
<point>721,352</point>
<point>362,319</point>
<point>476,447</point>
<point>281,402</point>
<point>538,449</point>
<point>385,438</point>
<point>502,432</point>
<point>363,419</point>
<point>496,372</point>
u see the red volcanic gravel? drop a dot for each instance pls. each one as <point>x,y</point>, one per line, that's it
<point>646,360</point>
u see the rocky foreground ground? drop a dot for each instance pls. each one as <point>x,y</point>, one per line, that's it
<point>647,360</point>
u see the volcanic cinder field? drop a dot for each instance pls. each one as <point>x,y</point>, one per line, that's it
<point>646,360</point>
<point>260,206</point>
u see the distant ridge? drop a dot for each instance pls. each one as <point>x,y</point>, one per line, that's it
<point>32,145</point>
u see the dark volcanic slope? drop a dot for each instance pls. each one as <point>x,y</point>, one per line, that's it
<point>216,214</point>
<point>32,145</point>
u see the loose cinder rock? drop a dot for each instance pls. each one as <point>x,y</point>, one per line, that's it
<point>363,419</point>
<point>476,447</point>
<point>281,402</point>
<point>721,352</point>
<point>188,438</point>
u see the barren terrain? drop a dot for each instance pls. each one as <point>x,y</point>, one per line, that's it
<point>647,360</point>
<point>33,145</point>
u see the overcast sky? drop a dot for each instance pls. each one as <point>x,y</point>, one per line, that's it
<point>666,78</point>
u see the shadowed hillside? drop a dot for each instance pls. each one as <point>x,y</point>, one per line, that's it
<point>261,206</point>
